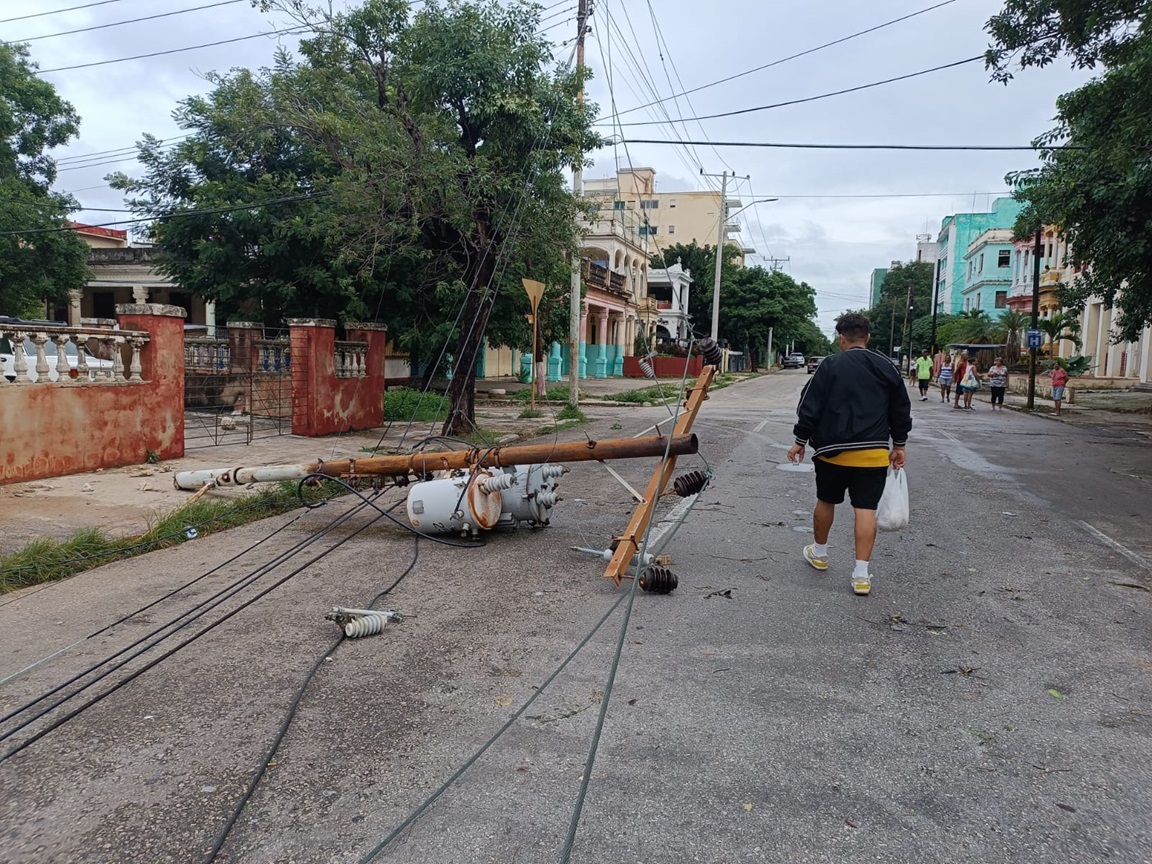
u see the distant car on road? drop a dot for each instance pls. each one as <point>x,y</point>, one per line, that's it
<point>813,362</point>
<point>794,361</point>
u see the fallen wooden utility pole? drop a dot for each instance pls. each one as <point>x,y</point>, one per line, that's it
<point>420,464</point>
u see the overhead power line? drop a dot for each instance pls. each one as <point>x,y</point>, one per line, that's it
<point>206,211</point>
<point>131,148</point>
<point>788,58</point>
<point>978,57</point>
<point>57,11</point>
<point>795,146</point>
<point>294,29</point>
<point>128,21</point>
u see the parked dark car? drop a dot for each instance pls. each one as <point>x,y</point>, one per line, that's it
<point>813,362</point>
<point>794,361</point>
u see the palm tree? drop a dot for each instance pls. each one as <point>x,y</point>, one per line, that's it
<point>1013,323</point>
<point>975,327</point>
<point>1060,327</point>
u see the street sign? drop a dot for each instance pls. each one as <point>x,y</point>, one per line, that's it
<point>1035,339</point>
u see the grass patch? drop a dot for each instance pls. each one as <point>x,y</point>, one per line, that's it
<point>403,404</point>
<point>530,414</point>
<point>655,393</point>
<point>571,412</point>
<point>46,560</point>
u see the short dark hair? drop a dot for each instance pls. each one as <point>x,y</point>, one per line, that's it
<point>853,326</point>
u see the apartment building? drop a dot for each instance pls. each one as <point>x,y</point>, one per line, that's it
<point>667,218</point>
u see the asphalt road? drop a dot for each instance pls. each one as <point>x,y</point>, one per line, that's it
<point>990,702</point>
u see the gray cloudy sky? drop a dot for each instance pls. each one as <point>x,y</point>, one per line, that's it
<point>832,243</point>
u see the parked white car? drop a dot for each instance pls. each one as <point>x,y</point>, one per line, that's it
<point>96,366</point>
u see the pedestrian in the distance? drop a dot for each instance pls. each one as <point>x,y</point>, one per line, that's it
<point>969,384</point>
<point>850,408</point>
<point>958,377</point>
<point>998,382</point>
<point>923,374</point>
<point>1059,382</point>
<point>944,377</point>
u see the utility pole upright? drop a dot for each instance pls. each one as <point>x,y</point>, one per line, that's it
<point>576,302</point>
<point>719,255</point>
<point>1035,315</point>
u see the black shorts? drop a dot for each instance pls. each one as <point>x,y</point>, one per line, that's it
<point>864,485</point>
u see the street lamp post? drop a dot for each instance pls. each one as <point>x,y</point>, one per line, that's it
<point>724,217</point>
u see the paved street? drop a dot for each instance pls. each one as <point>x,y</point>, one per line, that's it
<point>990,702</point>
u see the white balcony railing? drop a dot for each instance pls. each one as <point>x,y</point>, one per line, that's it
<point>351,359</point>
<point>69,356</point>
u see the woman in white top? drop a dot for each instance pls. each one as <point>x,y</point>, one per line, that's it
<point>945,377</point>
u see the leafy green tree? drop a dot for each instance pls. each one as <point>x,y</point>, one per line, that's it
<point>413,162</point>
<point>1099,191</point>
<point>1061,327</point>
<point>38,260</point>
<point>755,302</point>
<point>976,327</point>
<point>701,261</point>
<point>887,316</point>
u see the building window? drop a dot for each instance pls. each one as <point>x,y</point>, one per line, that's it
<point>649,230</point>
<point>672,203</point>
<point>671,229</point>
<point>1004,258</point>
<point>617,205</point>
<point>967,303</point>
<point>1001,299</point>
<point>981,268</point>
<point>649,205</point>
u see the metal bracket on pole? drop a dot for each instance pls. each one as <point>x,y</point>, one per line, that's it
<point>623,482</point>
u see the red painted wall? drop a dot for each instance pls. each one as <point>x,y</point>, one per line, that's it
<point>47,430</point>
<point>323,404</point>
<point>666,367</point>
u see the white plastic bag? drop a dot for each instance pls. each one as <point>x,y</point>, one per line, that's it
<point>893,511</point>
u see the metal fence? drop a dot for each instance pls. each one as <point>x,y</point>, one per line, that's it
<point>235,399</point>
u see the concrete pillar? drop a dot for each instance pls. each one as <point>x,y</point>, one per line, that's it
<point>162,365</point>
<point>313,343</point>
<point>602,345</point>
<point>139,295</point>
<point>74,297</point>
<point>555,362</point>
<point>583,370</point>
<point>210,316</point>
<point>1145,353</point>
<point>621,344</point>
<point>242,336</point>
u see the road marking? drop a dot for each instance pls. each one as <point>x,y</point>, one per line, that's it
<point>760,425</point>
<point>1123,550</point>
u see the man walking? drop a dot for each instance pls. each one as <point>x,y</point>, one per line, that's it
<point>923,374</point>
<point>850,408</point>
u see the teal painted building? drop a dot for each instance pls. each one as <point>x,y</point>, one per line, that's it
<point>957,233</point>
<point>877,285</point>
<point>988,271</point>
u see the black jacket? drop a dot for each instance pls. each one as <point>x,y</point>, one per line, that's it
<point>856,400</point>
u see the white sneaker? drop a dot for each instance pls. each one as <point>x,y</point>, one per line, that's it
<point>810,556</point>
<point>861,586</point>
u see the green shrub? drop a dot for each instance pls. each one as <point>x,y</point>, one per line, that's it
<point>656,393</point>
<point>403,404</point>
